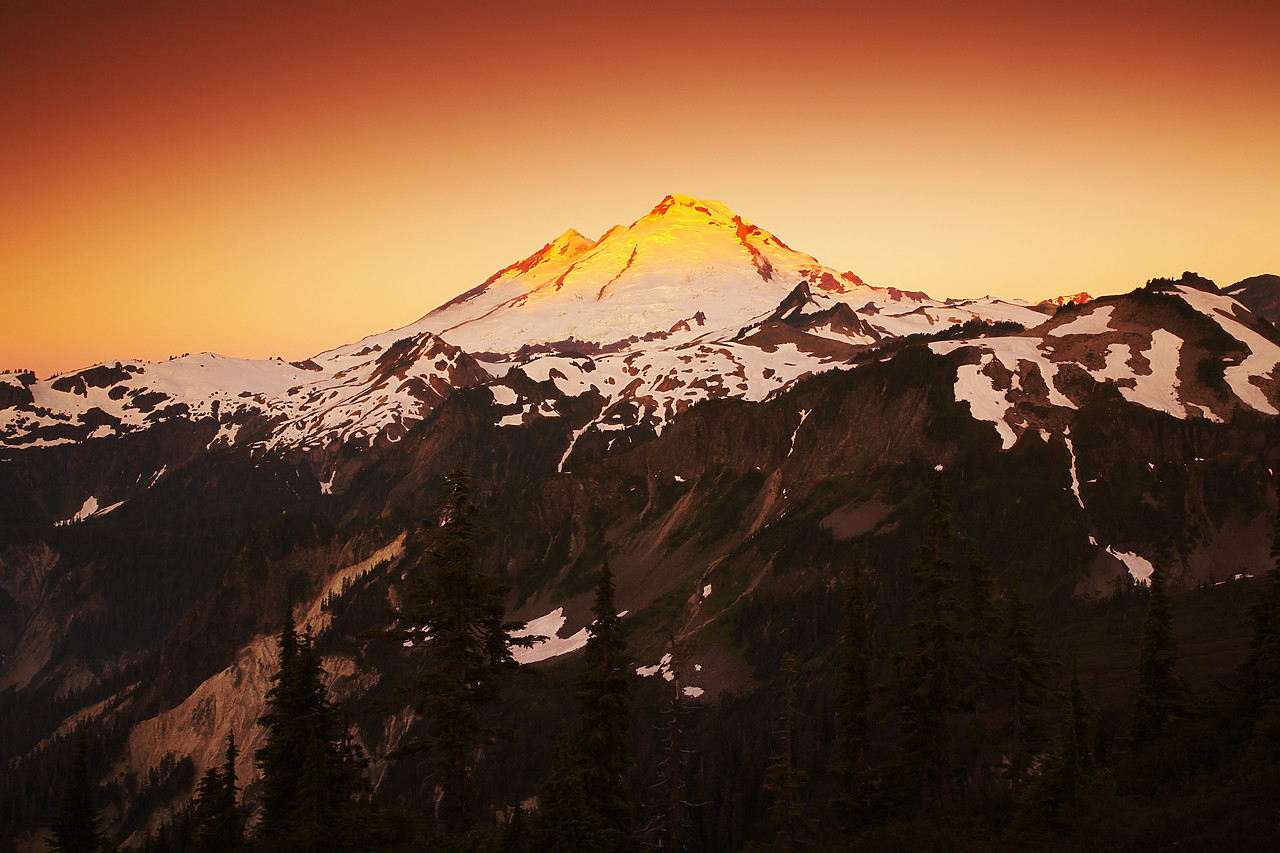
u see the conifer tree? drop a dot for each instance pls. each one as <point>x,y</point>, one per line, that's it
<point>1058,789</point>
<point>1260,672</point>
<point>279,758</point>
<point>307,781</point>
<point>928,678</point>
<point>566,823</point>
<point>853,703</point>
<point>1158,693</point>
<point>75,827</point>
<point>667,829</point>
<point>515,837</point>
<point>604,717</point>
<point>220,822</point>
<point>454,616</point>
<point>1027,675</point>
<point>1078,713</point>
<point>982,625</point>
<point>789,813</point>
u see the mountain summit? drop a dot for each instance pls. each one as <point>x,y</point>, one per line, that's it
<point>686,256</point>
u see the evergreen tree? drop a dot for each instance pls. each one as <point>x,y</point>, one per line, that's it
<point>454,616</point>
<point>1078,714</point>
<point>1027,668</point>
<point>789,813</point>
<point>1101,753</point>
<point>220,822</point>
<point>307,781</point>
<point>279,758</point>
<point>667,830</point>
<point>515,836</point>
<point>75,827</point>
<point>853,704</point>
<point>929,672</point>
<point>566,823</point>
<point>604,717</point>
<point>1058,789</point>
<point>982,625</point>
<point>1158,693</point>
<point>1260,672</point>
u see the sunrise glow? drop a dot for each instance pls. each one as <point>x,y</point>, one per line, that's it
<point>279,178</point>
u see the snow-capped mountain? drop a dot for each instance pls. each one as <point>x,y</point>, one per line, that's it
<point>651,277</point>
<point>343,395</point>
<point>155,518</point>
<point>1178,347</point>
<point>690,301</point>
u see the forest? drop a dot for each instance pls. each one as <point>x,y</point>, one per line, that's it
<point>943,723</point>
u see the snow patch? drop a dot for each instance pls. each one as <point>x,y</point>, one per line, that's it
<point>548,626</point>
<point>89,509</point>
<point>1139,567</point>
<point>1097,322</point>
<point>662,667</point>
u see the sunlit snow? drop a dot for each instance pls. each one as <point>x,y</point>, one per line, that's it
<point>1139,567</point>
<point>1096,322</point>
<point>548,626</point>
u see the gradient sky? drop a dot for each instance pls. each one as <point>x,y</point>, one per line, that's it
<point>278,177</point>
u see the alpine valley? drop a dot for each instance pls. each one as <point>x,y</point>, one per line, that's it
<point>730,422</point>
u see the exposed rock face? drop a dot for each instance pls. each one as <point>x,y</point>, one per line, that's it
<point>1260,294</point>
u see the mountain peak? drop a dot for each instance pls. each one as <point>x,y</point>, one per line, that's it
<point>686,256</point>
<point>567,244</point>
<point>688,207</point>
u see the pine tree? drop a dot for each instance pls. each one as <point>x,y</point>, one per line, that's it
<point>928,678</point>
<point>220,822</point>
<point>279,758</point>
<point>667,830</point>
<point>307,781</point>
<point>565,822</point>
<point>1260,672</point>
<point>1027,668</point>
<point>1058,789</point>
<point>1158,693</point>
<point>982,626</point>
<point>853,704</point>
<point>454,616</point>
<point>604,717</point>
<point>75,827</point>
<point>515,837</point>
<point>789,813</point>
<point>1078,713</point>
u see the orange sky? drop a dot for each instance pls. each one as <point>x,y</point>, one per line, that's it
<point>282,176</point>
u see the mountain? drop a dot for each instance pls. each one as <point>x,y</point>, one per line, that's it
<point>725,418</point>
<point>1260,294</point>
<point>689,274</point>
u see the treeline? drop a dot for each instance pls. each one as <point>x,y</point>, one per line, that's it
<point>958,730</point>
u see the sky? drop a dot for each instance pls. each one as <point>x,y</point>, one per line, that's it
<point>280,177</point>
